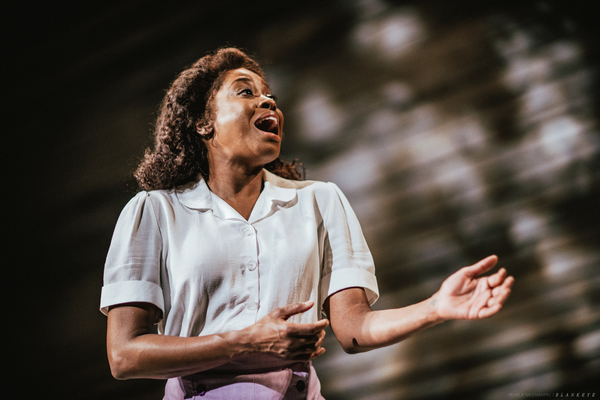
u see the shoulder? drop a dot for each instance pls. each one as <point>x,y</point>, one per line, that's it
<point>324,194</point>
<point>154,201</point>
<point>306,185</point>
<point>153,197</point>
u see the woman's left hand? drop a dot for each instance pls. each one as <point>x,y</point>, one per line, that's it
<point>464,296</point>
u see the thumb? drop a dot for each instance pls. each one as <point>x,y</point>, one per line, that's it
<point>287,311</point>
<point>482,266</point>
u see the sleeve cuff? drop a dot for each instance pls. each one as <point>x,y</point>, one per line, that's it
<point>129,292</point>
<point>345,278</point>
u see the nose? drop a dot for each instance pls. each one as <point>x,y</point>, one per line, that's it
<point>267,102</point>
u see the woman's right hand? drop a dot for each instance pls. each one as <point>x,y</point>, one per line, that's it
<point>276,335</point>
<point>134,351</point>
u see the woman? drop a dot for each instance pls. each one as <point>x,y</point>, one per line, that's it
<point>235,258</point>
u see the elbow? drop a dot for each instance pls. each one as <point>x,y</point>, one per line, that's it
<point>119,373</point>
<point>121,365</point>
<point>351,350</point>
<point>352,347</point>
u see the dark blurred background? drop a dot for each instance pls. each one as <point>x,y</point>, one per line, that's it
<point>457,129</point>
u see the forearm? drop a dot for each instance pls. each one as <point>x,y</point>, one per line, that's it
<point>374,329</point>
<point>461,296</point>
<point>360,329</point>
<point>160,356</point>
<point>135,352</point>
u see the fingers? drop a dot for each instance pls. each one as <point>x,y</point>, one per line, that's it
<point>506,284</point>
<point>275,334</point>
<point>307,329</point>
<point>306,347</point>
<point>497,278</point>
<point>473,297</point>
<point>480,267</point>
<point>310,349</point>
<point>310,354</point>
<point>310,342</point>
<point>300,329</point>
<point>489,311</point>
<point>318,349</point>
<point>499,295</point>
<point>292,309</point>
<point>480,300</point>
<point>317,353</point>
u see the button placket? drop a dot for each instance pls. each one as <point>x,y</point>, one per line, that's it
<point>251,265</point>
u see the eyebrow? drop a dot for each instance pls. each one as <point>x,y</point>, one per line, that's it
<point>246,79</point>
<point>243,78</point>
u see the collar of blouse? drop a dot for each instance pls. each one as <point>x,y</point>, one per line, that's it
<point>277,193</point>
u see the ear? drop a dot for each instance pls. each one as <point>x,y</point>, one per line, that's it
<point>205,129</point>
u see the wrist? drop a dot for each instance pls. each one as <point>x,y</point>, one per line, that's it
<point>436,315</point>
<point>238,343</point>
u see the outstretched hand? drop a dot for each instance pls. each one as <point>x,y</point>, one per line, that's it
<point>464,296</point>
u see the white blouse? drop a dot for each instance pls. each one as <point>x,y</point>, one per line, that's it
<point>210,271</point>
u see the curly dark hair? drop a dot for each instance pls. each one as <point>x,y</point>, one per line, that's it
<point>180,152</point>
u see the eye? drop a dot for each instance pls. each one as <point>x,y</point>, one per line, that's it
<point>247,92</point>
<point>271,96</point>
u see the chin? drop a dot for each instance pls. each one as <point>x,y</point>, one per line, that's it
<point>271,156</point>
<point>271,161</point>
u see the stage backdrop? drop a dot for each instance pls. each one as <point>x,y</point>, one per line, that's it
<point>457,129</point>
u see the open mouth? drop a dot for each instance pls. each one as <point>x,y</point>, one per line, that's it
<point>268,123</point>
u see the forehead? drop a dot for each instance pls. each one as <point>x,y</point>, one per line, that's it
<point>244,75</point>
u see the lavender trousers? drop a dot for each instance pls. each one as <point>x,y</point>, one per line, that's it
<point>296,381</point>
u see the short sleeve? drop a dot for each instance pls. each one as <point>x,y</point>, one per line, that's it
<point>132,269</point>
<point>347,260</point>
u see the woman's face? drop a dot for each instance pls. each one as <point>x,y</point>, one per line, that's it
<point>248,126</point>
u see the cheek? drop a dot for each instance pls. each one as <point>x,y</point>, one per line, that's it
<point>227,116</point>
<point>231,121</point>
<point>281,119</point>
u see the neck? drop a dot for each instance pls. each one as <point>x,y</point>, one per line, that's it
<point>239,187</point>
